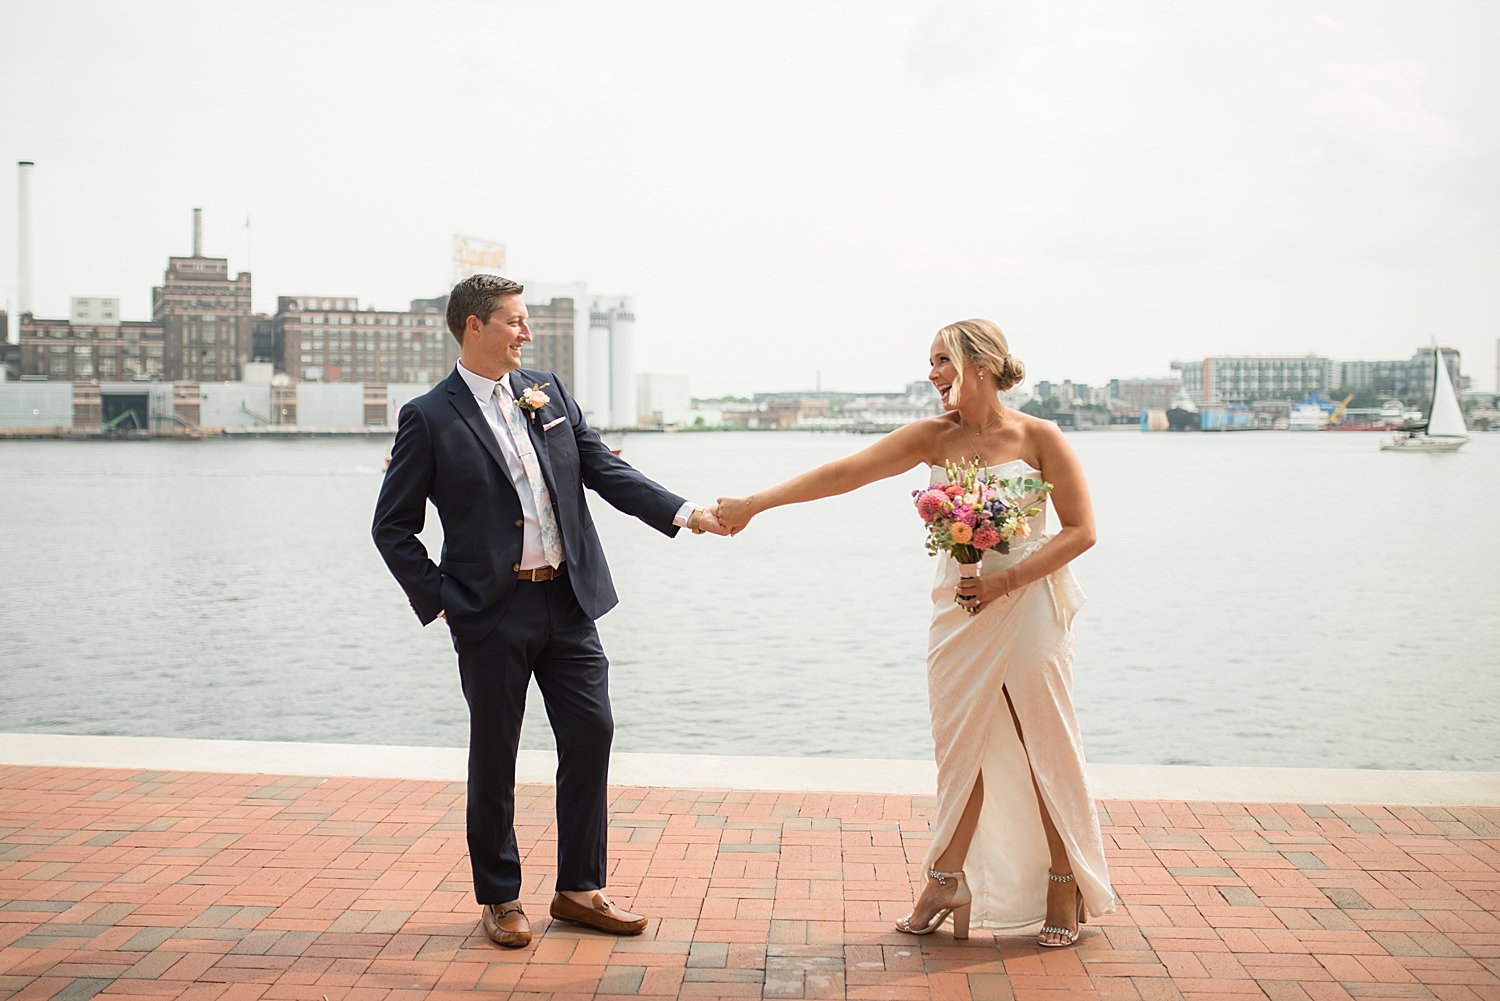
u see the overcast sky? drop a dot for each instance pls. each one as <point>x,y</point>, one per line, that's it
<point>795,188</point>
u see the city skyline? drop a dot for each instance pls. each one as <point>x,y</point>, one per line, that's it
<point>1112,185</point>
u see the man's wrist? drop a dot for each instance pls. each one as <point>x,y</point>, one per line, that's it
<point>680,519</point>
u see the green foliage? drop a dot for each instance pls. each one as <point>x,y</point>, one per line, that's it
<point>1364,396</point>
<point>1046,409</point>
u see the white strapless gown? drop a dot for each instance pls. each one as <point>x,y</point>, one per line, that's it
<point>1023,644</point>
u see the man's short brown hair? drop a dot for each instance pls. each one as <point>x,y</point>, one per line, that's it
<point>477,296</point>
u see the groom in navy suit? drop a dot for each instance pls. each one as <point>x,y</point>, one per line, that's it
<point>504,454</point>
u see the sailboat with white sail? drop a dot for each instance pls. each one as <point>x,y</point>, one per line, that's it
<point>1445,430</point>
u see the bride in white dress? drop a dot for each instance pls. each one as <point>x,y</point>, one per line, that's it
<point>1016,841</point>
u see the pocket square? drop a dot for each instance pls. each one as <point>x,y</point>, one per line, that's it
<point>552,424</point>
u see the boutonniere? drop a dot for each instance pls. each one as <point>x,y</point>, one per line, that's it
<point>534,399</point>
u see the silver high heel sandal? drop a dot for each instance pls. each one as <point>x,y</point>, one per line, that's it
<point>958,908</point>
<point>1071,934</point>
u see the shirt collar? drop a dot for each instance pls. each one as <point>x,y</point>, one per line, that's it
<point>482,388</point>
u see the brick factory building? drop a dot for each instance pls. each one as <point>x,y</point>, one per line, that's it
<point>330,339</point>
<point>205,315</point>
<point>551,347</point>
<point>97,348</point>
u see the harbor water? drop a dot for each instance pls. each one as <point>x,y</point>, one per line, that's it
<point>1254,599</point>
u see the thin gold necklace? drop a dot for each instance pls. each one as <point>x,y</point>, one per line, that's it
<point>978,435</point>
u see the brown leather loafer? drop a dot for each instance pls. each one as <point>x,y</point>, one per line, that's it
<point>604,915</point>
<point>506,925</point>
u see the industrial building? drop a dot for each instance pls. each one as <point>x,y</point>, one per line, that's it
<point>603,349</point>
<point>331,339</point>
<point>1145,394</point>
<point>553,332</point>
<point>205,315</point>
<point>205,361</point>
<point>201,329</point>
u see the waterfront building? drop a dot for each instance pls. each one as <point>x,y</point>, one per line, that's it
<point>1408,379</point>
<point>612,359</point>
<point>553,330</point>
<point>331,339</point>
<point>10,354</point>
<point>1067,392</point>
<point>1243,379</point>
<point>601,377</point>
<point>659,394</point>
<point>205,315</point>
<point>1144,394</point>
<point>263,339</point>
<point>60,350</point>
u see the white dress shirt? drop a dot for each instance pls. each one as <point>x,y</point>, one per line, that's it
<point>531,531</point>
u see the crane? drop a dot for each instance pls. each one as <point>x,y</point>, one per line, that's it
<point>1337,417</point>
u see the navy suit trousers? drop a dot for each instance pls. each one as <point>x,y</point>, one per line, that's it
<point>545,633</point>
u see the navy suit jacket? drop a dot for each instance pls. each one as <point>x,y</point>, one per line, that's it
<point>445,450</point>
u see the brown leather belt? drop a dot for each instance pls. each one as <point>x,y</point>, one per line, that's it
<point>542,573</point>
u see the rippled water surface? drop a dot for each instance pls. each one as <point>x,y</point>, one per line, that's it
<point>1258,599</point>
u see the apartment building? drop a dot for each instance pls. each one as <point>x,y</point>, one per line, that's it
<point>1246,378</point>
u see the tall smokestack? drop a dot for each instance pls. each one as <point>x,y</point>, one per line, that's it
<point>197,232</point>
<point>25,237</point>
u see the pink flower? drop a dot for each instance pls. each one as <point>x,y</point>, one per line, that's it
<point>961,532</point>
<point>986,538</point>
<point>965,515</point>
<point>930,504</point>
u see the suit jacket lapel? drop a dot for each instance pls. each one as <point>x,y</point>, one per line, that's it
<point>463,402</point>
<point>519,384</point>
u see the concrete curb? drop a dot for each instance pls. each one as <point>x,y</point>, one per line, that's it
<point>705,771</point>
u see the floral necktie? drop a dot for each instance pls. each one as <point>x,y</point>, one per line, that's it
<point>552,547</point>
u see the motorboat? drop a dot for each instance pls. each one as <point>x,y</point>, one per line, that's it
<point>1307,417</point>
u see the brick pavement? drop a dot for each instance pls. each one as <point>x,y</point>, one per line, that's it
<point>240,887</point>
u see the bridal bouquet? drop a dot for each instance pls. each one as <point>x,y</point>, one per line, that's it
<point>974,512</point>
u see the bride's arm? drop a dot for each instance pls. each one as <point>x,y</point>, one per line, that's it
<point>1075,514</point>
<point>893,454</point>
<point>1070,501</point>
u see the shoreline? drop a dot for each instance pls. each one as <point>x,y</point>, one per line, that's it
<point>1190,783</point>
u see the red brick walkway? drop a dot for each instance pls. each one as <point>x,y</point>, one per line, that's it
<point>239,887</point>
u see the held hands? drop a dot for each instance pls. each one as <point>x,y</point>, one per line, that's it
<point>706,520</point>
<point>734,513</point>
<point>974,594</point>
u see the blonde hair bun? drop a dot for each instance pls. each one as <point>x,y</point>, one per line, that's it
<point>980,342</point>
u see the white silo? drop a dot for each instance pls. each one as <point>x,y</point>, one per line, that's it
<point>598,361</point>
<point>622,364</point>
<point>25,239</point>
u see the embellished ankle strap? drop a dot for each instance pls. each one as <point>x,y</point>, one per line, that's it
<point>943,877</point>
<point>1059,879</point>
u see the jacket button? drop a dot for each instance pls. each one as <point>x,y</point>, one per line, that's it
<point>516,567</point>
<point>519,522</point>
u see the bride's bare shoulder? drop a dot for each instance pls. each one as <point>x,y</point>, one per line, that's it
<point>1040,436</point>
